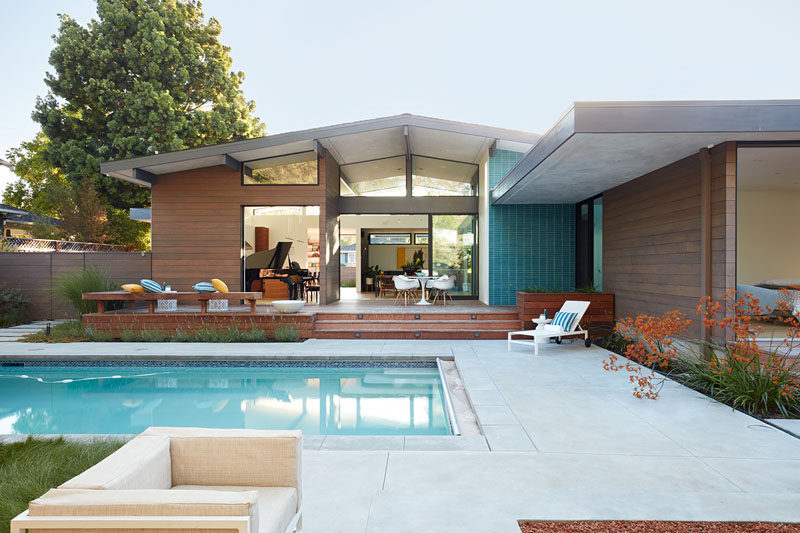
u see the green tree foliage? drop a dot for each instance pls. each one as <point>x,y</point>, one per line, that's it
<point>145,76</point>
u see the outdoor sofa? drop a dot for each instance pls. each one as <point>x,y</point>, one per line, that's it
<point>182,479</point>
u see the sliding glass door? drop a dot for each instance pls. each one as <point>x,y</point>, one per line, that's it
<point>454,251</point>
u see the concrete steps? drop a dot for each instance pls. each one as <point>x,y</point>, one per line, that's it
<point>415,325</point>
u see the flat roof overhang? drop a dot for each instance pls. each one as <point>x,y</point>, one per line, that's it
<point>348,143</point>
<point>596,146</point>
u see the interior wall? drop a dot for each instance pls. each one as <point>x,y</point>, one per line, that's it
<point>765,247</point>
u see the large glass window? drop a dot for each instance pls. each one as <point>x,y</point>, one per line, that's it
<point>440,177</point>
<point>292,169</point>
<point>454,251</point>
<point>381,177</point>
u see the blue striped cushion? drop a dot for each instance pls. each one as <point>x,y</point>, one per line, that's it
<point>204,286</point>
<point>563,319</point>
<point>150,286</point>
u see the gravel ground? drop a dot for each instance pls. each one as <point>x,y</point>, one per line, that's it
<point>648,526</point>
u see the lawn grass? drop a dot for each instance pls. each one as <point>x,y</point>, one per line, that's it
<point>29,469</point>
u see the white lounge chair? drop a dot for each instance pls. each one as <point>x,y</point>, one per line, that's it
<point>555,331</point>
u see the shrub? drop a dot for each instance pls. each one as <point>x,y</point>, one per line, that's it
<point>97,336</point>
<point>182,336</point>
<point>651,344</point>
<point>762,388</point>
<point>12,306</point>
<point>731,367</point>
<point>255,334</point>
<point>153,335</point>
<point>348,283</point>
<point>588,289</point>
<point>91,279</point>
<point>69,331</point>
<point>286,334</point>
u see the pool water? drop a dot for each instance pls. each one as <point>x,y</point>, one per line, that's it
<point>128,399</point>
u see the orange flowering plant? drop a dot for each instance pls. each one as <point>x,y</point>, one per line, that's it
<point>651,345</point>
<point>733,365</point>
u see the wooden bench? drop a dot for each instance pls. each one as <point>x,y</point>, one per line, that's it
<point>152,297</point>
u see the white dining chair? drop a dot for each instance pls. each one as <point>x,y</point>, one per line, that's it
<point>405,287</point>
<point>442,287</point>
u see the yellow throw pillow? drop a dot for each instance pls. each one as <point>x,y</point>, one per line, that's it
<point>219,285</point>
<point>133,287</point>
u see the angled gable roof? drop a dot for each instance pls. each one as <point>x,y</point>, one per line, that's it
<point>349,142</point>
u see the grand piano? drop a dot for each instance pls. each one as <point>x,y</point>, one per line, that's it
<point>263,269</point>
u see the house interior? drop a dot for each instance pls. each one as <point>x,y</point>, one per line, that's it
<point>767,255</point>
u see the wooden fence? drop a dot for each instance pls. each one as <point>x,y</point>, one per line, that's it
<point>34,274</point>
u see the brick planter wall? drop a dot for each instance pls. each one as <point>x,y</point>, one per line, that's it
<point>599,315</point>
<point>115,324</point>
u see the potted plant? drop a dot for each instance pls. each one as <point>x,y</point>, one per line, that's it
<point>413,265</point>
<point>371,273</point>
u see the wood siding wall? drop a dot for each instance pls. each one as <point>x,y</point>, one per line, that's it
<point>35,273</point>
<point>652,236</point>
<point>197,223</point>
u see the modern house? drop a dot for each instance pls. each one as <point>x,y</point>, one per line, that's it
<point>657,202</point>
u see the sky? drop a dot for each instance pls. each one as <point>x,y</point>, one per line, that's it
<point>511,64</point>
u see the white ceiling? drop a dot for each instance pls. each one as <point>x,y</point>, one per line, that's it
<point>768,168</point>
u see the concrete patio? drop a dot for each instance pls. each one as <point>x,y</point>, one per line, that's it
<point>563,440</point>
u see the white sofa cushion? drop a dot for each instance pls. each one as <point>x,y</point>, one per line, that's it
<point>276,505</point>
<point>138,502</point>
<point>553,328</point>
<point>142,463</point>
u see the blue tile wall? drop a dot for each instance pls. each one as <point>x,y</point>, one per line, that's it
<point>529,245</point>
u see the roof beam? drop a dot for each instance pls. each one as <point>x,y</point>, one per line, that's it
<point>228,161</point>
<point>144,176</point>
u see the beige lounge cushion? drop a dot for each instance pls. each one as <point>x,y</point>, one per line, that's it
<point>68,502</point>
<point>142,463</point>
<point>235,457</point>
<point>276,505</point>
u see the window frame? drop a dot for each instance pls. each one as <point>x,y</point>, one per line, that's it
<point>370,243</point>
<point>315,184</point>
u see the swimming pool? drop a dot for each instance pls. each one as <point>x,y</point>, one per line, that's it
<point>346,399</point>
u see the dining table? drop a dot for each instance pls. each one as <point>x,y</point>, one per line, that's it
<point>423,280</point>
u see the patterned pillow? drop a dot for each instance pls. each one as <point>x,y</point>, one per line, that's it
<point>564,320</point>
<point>150,286</point>
<point>204,286</point>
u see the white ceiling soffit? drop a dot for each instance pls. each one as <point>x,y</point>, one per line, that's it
<point>589,164</point>
<point>595,146</point>
<point>768,168</point>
